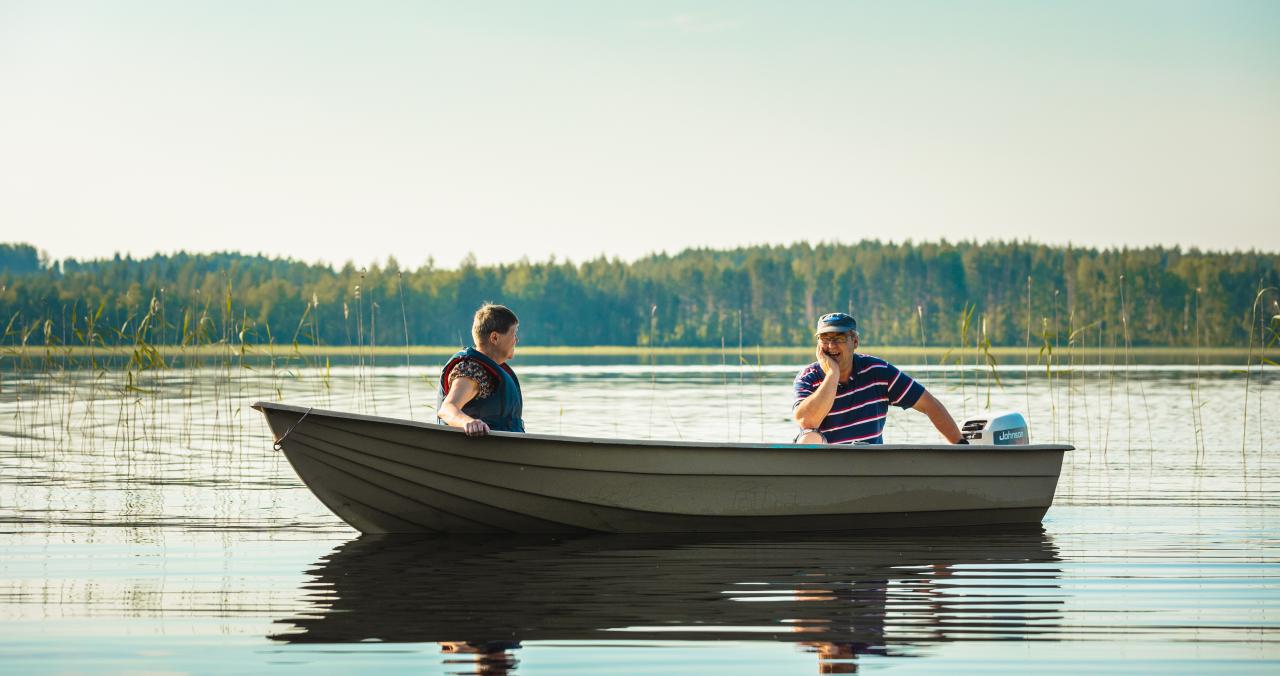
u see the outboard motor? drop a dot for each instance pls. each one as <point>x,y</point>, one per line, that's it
<point>1002,429</point>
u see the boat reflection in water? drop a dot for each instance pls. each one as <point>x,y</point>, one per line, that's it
<point>839,596</point>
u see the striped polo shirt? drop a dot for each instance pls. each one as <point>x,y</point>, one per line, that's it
<point>861,404</point>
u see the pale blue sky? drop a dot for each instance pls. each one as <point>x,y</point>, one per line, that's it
<point>334,131</point>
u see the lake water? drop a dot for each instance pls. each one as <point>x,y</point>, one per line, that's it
<point>148,526</point>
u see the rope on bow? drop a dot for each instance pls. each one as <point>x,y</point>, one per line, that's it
<point>279,444</point>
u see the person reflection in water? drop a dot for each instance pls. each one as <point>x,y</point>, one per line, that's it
<point>838,657</point>
<point>863,604</point>
<point>489,658</point>
<point>868,601</point>
<point>478,390</point>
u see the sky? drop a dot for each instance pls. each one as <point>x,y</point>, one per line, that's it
<point>336,131</point>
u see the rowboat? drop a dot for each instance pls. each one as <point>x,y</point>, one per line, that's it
<point>385,475</point>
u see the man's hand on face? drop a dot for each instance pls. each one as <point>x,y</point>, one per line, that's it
<point>828,363</point>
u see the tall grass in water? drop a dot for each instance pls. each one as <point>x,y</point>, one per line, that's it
<point>325,385</point>
<point>1026,355</point>
<point>67,403</point>
<point>653,377</point>
<point>1248,372</point>
<point>984,352</point>
<point>653,365</point>
<point>404,317</point>
<point>760,387</point>
<point>52,390</point>
<point>965,323</point>
<point>297,331</point>
<point>139,366</point>
<point>1053,392</point>
<point>361,395</point>
<point>1128,407</point>
<point>13,331</point>
<point>742,379</point>
<point>1142,390</point>
<point>1197,422</point>
<point>1071,376</point>
<point>1075,371</point>
<point>1271,336</point>
<point>1110,376</point>
<point>1273,329</point>
<point>920,323</point>
<point>373,358</point>
<point>1045,356</point>
<point>1079,379</point>
<point>724,376</point>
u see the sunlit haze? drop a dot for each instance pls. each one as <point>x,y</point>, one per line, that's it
<point>357,131</point>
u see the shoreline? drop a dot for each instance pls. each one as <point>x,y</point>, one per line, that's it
<point>284,351</point>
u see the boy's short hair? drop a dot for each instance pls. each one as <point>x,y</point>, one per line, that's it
<point>490,318</point>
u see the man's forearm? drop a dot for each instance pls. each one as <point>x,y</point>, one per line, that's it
<point>810,412</point>
<point>946,425</point>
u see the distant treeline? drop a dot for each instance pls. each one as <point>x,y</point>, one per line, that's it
<point>943,293</point>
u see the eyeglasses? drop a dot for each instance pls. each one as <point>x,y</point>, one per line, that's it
<point>833,339</point>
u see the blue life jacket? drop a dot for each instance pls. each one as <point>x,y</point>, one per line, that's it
<point>501,410</point>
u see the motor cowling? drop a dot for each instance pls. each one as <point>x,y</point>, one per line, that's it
<point>1007,428</point>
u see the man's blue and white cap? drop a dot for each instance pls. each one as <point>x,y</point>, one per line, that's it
<point>836,322</point>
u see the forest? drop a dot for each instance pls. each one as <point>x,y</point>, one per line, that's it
<point>904,294</point>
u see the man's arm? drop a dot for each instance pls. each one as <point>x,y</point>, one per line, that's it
<point>938,415</point>
<point>813,408</point>
<point>463,391</point>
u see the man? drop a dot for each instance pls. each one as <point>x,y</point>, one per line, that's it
<point>843,397</point>
<point>478,390</point>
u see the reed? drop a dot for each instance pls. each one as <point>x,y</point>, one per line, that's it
<point>1110,375</point>
<point>924,349</point>
<point>1196,420</point>
<point>314,349</point>
<point>965,321</point>
<point>1128,407</point>
<point>1142,389</point>
<point>296,352</point>
<point>131,352</point>
<point>360,395</point>
<point>1026,355</point>
<point>742,386</point>
<point>990,360</point>
<point>653,366</point>
<point>326,386</point>
<point>273,375</point>
<point>1272,338</point>
<point>1271,327</point>
<point>373,359</point>
<point>760,386</point>
<point>1045,356</point>
<point>69,382</point>
<point>1053,396</point>
<point>1248,370</point>
<point>1071,376</point>
<point>724,376</point>
<point>404,317</point>
<point>1076,336</point>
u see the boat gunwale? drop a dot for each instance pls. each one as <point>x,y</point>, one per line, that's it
<point>265,406</point>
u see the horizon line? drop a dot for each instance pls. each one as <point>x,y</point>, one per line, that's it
<point>50,262</point>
